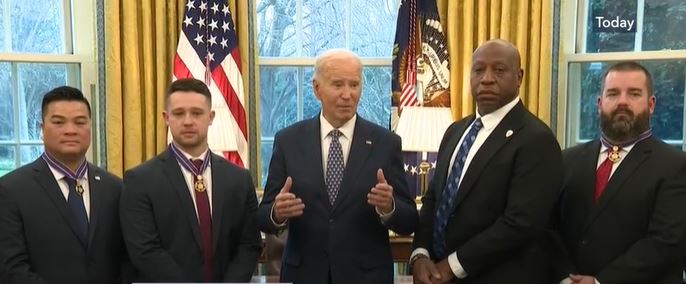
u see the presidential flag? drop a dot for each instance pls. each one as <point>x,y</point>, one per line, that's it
<point>208,51</point>
<point>421,69</point>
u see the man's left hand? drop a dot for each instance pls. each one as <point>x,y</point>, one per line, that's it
<point>446,272</point>
<point>381,195</point>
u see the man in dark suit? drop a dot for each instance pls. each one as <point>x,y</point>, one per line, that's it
<point>621,209</point>
<point>188,215</point>
<point>59,215</point>
<point>336,181</point>
<point>496,179</point>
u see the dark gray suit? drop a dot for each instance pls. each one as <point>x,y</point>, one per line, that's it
<point>635,232</point>
<point>160,223</point>
<point>38,239</point>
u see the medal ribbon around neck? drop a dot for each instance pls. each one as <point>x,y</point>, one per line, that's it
<point>199,185</point>
<point>613,153</point>
<point>62,168</point>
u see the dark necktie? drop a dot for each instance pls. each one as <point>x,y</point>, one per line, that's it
<point>450,191</point>
<point>334,166</point>
<point>602,176</point>
<point>78,209</point>
<point>202,203</point>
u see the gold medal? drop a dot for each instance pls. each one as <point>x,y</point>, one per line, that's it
<point>614,154</point>
<point>79,189</point>
<point>199,184</point>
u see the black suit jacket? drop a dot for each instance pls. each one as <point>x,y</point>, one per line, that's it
<point>635,232</point>
<point>503,203</point>
<point>160,223</point>
<point>347,241</point>
<point>38,240</point>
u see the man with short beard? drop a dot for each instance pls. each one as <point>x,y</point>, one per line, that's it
<point>620,217</point>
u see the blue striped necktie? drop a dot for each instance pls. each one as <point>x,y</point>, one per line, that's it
<point>450,191</point>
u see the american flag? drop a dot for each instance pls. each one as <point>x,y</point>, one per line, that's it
<point>405,54</point>
<point>208,50</point>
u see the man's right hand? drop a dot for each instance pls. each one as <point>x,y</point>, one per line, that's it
<point>424,271</point>
<point>286,205</point>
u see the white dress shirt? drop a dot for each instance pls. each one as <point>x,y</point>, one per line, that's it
<point>489,121</point>
<point>206,176</point>
<point>64,187</point>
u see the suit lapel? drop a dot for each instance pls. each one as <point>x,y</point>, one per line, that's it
<point>172,171</point>
<point>46,179</point>
<point>511,122</point>
<point>580,183</point>
<point>362,143</point>
<point>311,149</point>
<point>444,160</point>
<point>94,188</point>
<point>633,160</point>
<point>220,188</point>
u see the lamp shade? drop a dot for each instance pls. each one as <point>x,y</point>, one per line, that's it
<point>422,128</point>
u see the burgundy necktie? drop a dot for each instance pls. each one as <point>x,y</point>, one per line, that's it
<point>202,203</point>
<point>602,176</point>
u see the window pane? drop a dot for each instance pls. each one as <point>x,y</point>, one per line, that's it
<point>607,42</point>
<point>276,26</point>
<point>6,103</point>
<point>37,26</point>
<point>35,79</point>
<point>668,79</point>
<point>2,29</point>
<point>266,151</point>
<point>373,27</point>
<point>663,25</point>
<point>311,104</point>
<point>278,98</point>
<point>323,25</point>
<point>375,103</point>
<point>28,153</point>
<point>7,162</point>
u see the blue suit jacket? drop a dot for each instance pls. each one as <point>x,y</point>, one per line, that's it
<point>346,241</point>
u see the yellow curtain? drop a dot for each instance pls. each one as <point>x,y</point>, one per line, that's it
<point>526,23</point>
<point>140,43</point>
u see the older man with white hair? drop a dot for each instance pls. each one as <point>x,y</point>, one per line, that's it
<point>336,181</point>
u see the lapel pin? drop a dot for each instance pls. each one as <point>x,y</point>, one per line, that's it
<point>369,142</point>
<point>509,133</point>
<point>97,177</point>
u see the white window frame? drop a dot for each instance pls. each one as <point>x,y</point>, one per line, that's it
<point>79,49</point>
<point>305,61</point>
<point>573,50</point>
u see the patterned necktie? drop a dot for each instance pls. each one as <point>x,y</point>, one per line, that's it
<point>202,203</point>
<point>334,166</point>
<point>77,207</point>
<point>450,191</point>
<point>602,176</point>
